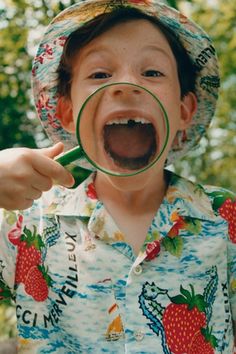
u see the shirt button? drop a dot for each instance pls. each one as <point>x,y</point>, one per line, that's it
<point>139,335</point>
<point>138,270</point>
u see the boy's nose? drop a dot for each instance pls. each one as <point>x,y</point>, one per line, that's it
<point>122,89</point>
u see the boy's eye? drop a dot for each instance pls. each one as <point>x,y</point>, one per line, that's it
<point>152,73</point>
<point>100,75</point>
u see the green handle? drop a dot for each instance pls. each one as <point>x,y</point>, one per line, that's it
<point>70,156</point>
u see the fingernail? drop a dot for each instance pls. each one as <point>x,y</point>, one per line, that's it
<point>70,183</point>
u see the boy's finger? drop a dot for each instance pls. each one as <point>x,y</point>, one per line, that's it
<point>46,166</point>
<point>53,151</point>
<point>41,182</point>
<point>33,194</point>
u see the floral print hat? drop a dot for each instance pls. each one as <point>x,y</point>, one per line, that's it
<point>196,42</point>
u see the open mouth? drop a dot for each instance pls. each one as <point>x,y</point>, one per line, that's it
<point>130,142</point>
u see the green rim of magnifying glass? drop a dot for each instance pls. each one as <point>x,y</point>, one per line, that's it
<point>120,173</point>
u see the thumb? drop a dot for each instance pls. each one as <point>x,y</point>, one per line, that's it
<point>54,150</point>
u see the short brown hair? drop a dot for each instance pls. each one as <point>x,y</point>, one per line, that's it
<point>82,36</point>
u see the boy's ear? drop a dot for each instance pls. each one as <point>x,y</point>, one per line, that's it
<point>188,109</point>
<point>64,113</point>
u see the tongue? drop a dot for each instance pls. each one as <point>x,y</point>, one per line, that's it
<point>130,145</point>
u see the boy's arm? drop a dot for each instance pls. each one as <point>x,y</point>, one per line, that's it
<point>26,173</point>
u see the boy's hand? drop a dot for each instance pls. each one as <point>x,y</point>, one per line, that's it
<point>26,173</point>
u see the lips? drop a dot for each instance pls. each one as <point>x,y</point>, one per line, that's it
<point>130,141</point>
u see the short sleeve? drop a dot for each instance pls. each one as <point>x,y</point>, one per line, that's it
<point>224,205</point>
<point>232,277</point>
<point>227,210</point>
<point>10,229</point>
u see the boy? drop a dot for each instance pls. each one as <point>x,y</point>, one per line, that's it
<point>140,264</point>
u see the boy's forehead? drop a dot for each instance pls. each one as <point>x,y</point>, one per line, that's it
<point>145,36</point>
<point>136,27</point>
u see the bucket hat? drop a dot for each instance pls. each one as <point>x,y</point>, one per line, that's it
<point>195,41</point>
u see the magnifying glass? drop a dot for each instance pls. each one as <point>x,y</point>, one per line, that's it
<point>122,130</point>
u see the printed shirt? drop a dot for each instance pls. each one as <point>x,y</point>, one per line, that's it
<point>79,287</point>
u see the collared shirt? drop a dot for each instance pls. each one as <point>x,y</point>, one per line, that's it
<point>80,288</point>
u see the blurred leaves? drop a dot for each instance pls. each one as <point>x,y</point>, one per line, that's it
<point>214,162</point>
<point>14,81</point>
<point>21,23</point>
<point>7,322</point>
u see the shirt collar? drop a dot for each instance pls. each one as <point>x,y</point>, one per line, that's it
<point>80,201</point>
<point>189,198</point>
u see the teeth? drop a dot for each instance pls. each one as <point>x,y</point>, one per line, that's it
<point>127,120</point>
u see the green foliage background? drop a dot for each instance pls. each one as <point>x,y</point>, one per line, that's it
<point>214,162</point>
<point>21,25</point>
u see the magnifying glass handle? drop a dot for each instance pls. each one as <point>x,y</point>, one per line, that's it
<point>70,156</point>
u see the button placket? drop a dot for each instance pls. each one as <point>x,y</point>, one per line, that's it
<point>138,269</point>
<point>139,335</point>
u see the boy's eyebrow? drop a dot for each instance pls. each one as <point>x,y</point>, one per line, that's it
<point>103,48</point>
<point>94,50</point>
<point>168,54</point>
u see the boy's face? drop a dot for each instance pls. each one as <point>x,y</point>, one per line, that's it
<point>135,52</point>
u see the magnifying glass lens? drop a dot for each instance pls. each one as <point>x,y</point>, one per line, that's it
<point>123,129</point>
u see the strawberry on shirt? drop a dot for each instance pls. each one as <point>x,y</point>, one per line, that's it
<point>153,249</point>
<point>182,319</point>
<point>183,223</point>
<point>37,283</point>
<point>30,270</point>
<point>29,253</point>
<point>224,203</point>
<point>91,191</point>
<point>228,212</point>
<point>179,224</point>
<point>173,242</point>
<point>203,342</point>
<point>28,256</point>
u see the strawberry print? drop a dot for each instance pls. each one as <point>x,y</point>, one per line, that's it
<point>27,257</point>
<point>37,283</point>
<point>29,247</point>
<point>152,245</point>
<point>228,212</point>
<point>173,242</point>
<point>183,324</point>
<point>203,342</point>
<point>152,250</point>
<point>186,309</point>
<point>183,223</point>
<point>29,263</point>
<point>91,192</point>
